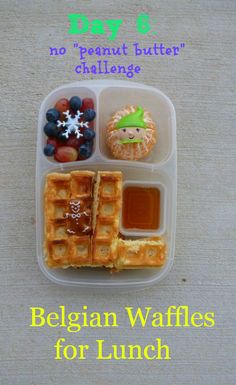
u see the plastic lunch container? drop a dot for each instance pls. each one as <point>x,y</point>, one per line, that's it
<point>158,169</point>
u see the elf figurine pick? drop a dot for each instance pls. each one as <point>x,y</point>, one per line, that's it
<point>131,127</point>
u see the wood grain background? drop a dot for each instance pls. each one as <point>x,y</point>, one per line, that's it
<point>201,84</point>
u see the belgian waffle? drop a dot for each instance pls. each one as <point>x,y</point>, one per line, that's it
<point>82,224</point>
<point>68,218</point>
<point>140,254</point>
<point>107,198</point>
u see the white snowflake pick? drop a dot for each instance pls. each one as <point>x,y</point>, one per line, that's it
<point>72,124</point>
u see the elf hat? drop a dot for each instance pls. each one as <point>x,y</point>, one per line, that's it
<point>134,119</point>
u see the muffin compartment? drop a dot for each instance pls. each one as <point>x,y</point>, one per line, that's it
<point>113,99</point>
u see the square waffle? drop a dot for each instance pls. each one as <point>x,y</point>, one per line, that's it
<point>68,218</point>
<point>82,224</point>
<point>141,253</point>
<point>107,206</point>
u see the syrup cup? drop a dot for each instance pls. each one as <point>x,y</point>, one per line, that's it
<point>160,230</point>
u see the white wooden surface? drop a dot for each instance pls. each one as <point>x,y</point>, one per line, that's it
<point>201,84</point>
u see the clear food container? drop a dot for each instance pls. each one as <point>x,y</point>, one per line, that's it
<point>159,169</point>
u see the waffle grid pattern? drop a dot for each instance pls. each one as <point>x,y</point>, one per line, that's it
<point>82,224</point>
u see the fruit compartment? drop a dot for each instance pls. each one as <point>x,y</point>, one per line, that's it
<point>50,101</point>
<point>100,277</point>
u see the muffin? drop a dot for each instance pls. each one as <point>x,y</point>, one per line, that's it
<point>131,133</point>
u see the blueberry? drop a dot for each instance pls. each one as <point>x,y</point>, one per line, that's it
<point>61,137</point>
<point>52,115</point>
<point>50,129</point>
<point>89,134</point>
<point>75,103</point>
<point>49,150</point>
<point>89,115</point>
<point>85,150</point>
<point>89,144</point>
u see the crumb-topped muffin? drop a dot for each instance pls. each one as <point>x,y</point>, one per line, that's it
<point>131,133</point>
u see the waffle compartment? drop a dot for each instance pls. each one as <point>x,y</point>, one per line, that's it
<point>159,169</point>
<point>49,102</point>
